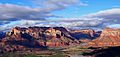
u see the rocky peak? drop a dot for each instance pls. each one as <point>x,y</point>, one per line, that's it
<point>110,32</point>
<point>108,37</point>
<point>85,33</point>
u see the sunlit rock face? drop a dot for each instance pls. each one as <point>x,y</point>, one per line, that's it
<point>108,37</point>
<point>37,37</point>
<point>111,33</point>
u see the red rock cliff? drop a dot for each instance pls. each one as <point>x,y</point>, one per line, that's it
<point>108,37</point>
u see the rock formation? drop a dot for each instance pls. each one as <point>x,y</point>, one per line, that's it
<point>42,37</point>
<point>108,37</point>
<point>36,37</point>
<point>85,33</point>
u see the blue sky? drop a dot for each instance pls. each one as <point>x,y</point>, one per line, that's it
<point>93,6</point>
<point>88,13</point>
<point>74,10</point>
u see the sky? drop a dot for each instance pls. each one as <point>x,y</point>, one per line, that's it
<point>74,14</point>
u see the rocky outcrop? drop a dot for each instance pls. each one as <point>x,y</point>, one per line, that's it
<point>86,33</point>
<point>36,37</point>
<point>43,37</point>
<point>108,37</point>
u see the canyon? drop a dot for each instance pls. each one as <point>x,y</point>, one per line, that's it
<point>39,38</point>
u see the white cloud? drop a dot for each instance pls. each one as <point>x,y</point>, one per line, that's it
<point>21,23</point>
<point>52,5</point>
<point>17,15</point>
<point>11,11</point>
<point>67,23</point>
<point>100,19</point>
<point>107,14</point>
<point>110,16</point>
<point>97,20</point>
<point>42,10</point>
<point>114,26</point>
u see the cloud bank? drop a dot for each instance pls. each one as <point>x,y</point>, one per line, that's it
<point>109,16</point>
<point>15,15</point>
<point>100,19</point>
<point>11,11</point>
<point>41,11</point>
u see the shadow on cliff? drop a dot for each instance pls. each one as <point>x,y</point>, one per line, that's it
<point>28,42</point>
<point>79,36</point>
<point>109,52</point>
<point>2,35</point>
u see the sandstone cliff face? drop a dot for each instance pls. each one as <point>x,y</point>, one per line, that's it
<point>113,34</point>
<point>108,37</point>
<point>36,37</point>
<point>42,37</point>
<point>86,31</point>
<point>85,34</point>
